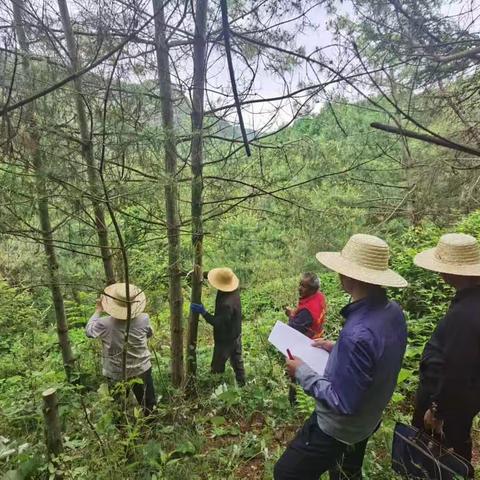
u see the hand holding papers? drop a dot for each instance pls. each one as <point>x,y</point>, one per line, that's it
<point>284,338</point>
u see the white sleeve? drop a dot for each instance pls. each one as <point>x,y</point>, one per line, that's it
<point>97,326</point>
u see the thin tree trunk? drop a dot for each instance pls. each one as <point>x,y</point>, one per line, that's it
<point>116,226</point>
<point>409,166</point>
<point>33,145</point>
<point>171,195</point>
<point>52,263</point>
<point>199,72</point>
<point>407,162</point>
<point>87,148</point>
<point>53,432</point>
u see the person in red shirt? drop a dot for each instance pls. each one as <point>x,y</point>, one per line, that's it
<point>309,315</point>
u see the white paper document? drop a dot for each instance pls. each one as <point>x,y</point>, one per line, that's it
<point>282,337</point>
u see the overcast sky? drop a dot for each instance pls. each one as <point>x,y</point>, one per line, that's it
<point>268,85</point>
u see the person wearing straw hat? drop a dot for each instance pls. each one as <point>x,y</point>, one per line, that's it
<point>226,322</point>
<point>361,372</point>
<point>111,330</point>
<point>448,396</point>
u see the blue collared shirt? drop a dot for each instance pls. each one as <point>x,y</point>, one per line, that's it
<point>362,370</point>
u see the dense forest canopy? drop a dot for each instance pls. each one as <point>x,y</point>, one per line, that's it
<point>148,142</point>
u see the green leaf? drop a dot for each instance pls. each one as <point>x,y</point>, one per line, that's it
<point>404,375</point>
<point>217,421</point>
<point>398,397</point>
<point>183,449</point>
<point>12,475</point>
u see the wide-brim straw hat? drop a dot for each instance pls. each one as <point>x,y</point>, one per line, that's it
<point>364,258</point>
<point>455,253</point>
<point>114,300</point>
<point>223,279</point>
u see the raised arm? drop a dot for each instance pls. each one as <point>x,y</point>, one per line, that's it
<point>96,326</point>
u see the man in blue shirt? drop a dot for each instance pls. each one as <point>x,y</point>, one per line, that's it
<point>361,373</point>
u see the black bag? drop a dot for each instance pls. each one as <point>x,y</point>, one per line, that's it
<point>417,455</point>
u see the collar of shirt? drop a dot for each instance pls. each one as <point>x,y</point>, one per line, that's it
<point>377,298</point>
<point>467,292</point>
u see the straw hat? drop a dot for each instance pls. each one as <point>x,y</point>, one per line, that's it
<point>455,253</point>
<point>114,301</point>
<point>364,258</point>
<point>223,279</point>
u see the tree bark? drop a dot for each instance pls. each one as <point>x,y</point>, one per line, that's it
<point>407,161</point>
<point>52,263</point>
<point>87,148</point>
<point>410,176</point>
<point>199,71</point>
<point>33,146</point>
<point>53,432</point>
<point>171,195</point>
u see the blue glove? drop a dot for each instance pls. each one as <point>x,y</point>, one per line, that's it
<point>198,308</point>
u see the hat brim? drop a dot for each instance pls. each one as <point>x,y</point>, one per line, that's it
<point>222,286</point>
<point>119,312</point>
<point>385,278</point>
<point>429,261</point>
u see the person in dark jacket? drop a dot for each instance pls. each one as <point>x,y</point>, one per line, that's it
<point>226,322</point>
<point>309,315</point>
<point>448,396</point>
<point>361,371</point>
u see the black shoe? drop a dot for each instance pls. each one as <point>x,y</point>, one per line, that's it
<point>241,382</point>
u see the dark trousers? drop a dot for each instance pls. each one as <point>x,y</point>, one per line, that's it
<point>232,351</point>
<point>313,452</point>
<point>143,390</point>
<point>457,424</point>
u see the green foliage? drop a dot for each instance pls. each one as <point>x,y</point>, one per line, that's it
<point>269,296</point>
<point>349,182</point>
<point>470,224</point>
<point>426,296</point>
<point>222,432</point>
<point>308,188</point>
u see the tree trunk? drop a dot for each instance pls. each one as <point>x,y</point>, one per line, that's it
<point>52,263</point>
<point>171,194</point>
<point>53,432</point>
<point>199,71</point>
<point>407,161</point>
<point>411,177</point>
<point>33,145</point>
<point>87,148</point>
